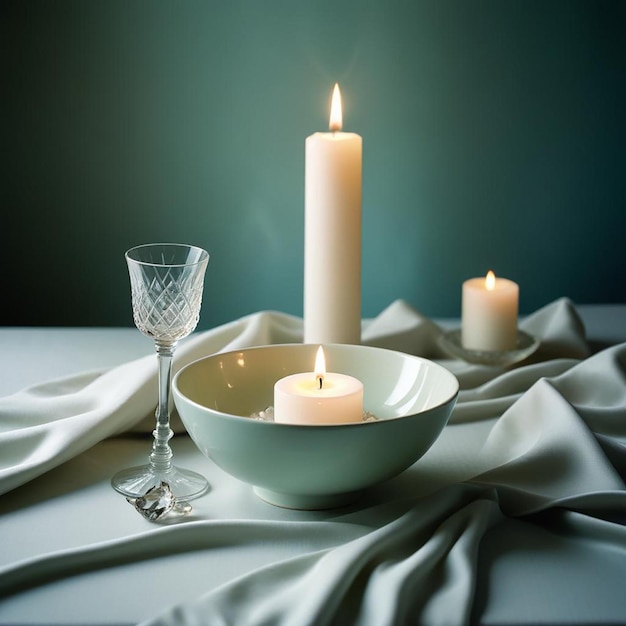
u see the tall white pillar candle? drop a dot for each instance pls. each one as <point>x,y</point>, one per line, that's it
<point>489,314</point>
<point>332,246</point>
<point>318,397</point>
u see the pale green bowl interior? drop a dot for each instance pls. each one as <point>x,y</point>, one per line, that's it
<point>241,383</point>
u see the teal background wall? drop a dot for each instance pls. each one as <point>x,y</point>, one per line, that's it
<point>493,137</point>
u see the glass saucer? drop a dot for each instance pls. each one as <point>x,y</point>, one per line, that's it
<point>450,341</point>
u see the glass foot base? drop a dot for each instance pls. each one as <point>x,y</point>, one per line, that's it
<point>135,482</point>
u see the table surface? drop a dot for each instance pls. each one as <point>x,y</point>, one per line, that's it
<point>73,506</point>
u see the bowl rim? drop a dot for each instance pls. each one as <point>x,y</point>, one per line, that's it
<point>178,393</point>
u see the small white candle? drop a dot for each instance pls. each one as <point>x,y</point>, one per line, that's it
<point>318,397</point>
<point>332,246</point>
<point>489,313</point>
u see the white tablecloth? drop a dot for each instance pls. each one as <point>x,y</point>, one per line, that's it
<point>515,515</point>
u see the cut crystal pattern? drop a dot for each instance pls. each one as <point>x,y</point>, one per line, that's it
<point>166,305</point>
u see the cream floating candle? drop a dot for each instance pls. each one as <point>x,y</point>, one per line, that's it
<point>318,397</point>
<point>332,246</point>
<point>489,313</point>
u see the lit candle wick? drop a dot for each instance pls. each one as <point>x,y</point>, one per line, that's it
<point>320,366</point>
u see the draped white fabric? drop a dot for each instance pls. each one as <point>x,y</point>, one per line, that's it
<point>531,451</point>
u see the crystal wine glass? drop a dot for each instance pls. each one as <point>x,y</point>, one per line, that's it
<point>166,286</point>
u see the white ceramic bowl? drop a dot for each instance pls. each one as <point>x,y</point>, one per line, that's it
<point>311,466</point>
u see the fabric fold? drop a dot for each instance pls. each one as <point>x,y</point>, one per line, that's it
<point>560,329</point>
<point>168,540</point>
<point>403,328</point>
<point>541,451</point>
<point>388,575</point>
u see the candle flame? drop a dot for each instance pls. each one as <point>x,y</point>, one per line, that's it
<point>336,117</point>
<point>320,366</point>
<point>490,281</point>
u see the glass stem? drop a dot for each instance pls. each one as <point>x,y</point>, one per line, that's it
<point>161,456</point>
